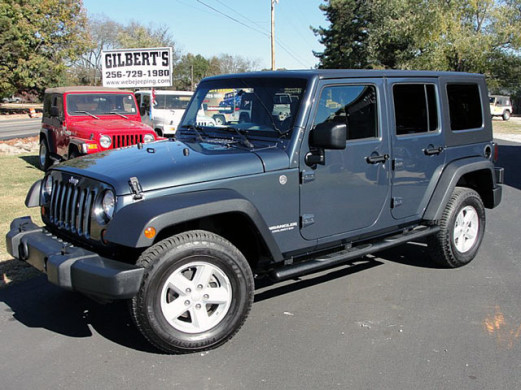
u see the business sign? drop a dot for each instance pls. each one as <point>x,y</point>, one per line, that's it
<point>130,68</point>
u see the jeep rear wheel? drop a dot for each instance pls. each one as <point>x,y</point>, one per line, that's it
<point>43,155</point>
<point>461,230</point>
<point>196,293</point>
<point>506,115</point>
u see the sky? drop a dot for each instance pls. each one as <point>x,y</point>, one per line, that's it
<point>235,27</point>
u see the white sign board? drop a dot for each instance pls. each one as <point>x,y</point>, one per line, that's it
<point>132,68</point>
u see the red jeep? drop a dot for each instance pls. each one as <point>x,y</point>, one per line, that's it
<point>86,120</point>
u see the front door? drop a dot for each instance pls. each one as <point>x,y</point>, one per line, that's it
<point>418,145</point>
<point>351,190</point>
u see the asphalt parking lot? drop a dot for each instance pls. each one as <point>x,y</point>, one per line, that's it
<point>387,322</point>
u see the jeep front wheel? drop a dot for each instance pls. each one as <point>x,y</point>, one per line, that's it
<point>43,155</point>
<point>196,293</point>
<point>461,230</point>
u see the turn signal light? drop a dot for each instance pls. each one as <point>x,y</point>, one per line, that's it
<point>150,232</point>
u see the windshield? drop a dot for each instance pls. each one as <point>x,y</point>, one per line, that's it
<point>263,106</point>
<point>171,102</point>
<point>101,103</point>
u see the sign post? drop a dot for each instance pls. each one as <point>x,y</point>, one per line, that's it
<point>133,68</point>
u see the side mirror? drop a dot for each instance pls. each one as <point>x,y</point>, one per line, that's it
<point>54,111</point>
<point>329,135</point>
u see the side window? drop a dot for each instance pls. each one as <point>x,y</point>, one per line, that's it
<point>57,101</point>
<point>415,108</point>
<point>47,100</point>
<point>354,105</point>
<point>464,106</point>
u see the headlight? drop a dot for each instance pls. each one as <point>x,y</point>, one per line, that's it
<point>148,138</point>
<point>47,190</point>
<point>108,203</point>
<point>47,186</point>
<point>105,141</point>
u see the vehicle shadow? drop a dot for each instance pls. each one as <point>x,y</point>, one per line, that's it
<point>38,304</point>
<point>31,160</point>
<point>510,160</point>
<point>266,289</point>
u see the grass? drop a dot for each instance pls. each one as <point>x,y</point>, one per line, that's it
<point>18,174</point>
<point>512,126</point>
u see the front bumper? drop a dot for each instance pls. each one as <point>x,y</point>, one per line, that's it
<point>71,267</point>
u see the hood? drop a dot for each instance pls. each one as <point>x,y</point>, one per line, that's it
<point>109,126</point>
<point>166,164</point>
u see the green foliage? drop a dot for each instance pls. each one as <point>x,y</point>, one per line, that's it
<point>38,39</point>
<point>346,39</point>
<point>456,35</point>
<point>191,69</point>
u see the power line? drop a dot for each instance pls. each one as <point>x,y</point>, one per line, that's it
<point>257,30</point>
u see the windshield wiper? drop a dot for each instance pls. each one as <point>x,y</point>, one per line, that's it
<point>244,140</point>
<point>116,113</point>
<point>86,112</point>
<point>197,130</point>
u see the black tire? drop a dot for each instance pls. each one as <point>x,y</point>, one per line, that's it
<point>213,313</point>
<point>461,230</point>
<point>74,153</point>
<point>506,115</point>
<point>44,162</point>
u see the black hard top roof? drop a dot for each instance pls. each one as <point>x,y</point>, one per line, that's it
<point>346,73</point>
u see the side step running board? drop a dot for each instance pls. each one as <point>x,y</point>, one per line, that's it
<point>337,258</point>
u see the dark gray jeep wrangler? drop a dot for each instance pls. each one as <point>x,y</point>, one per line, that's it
<point>346,164</point>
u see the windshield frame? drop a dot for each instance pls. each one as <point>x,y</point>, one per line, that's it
<point>94,108</point>
<point>263,89</point>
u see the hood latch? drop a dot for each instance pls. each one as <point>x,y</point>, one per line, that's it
<point>136,188</point>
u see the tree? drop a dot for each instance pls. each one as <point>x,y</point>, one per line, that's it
<point>346,39</point>
<point>38,39</point>
<point>104,35</point>
<point>135,35</point>
<point>191,69</point>
<point>455,35</point>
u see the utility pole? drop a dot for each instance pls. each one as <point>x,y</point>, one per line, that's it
<point>273,33</point>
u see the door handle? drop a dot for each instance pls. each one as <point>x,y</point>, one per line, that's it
<point>377,158</point>
<point>432,150</point>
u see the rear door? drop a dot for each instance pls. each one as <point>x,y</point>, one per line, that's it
<point>351,190</point>
<point>418,144</point>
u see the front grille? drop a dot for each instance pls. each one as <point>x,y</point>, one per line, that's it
<point>121,140</point>
<point>70,207</point>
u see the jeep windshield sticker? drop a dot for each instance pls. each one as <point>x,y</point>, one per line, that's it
<point>283,228</point>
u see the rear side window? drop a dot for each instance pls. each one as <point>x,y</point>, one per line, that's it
<point>415,108</point>
<point>464,106</point>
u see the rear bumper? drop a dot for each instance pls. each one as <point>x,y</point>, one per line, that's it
<point>71,267</point>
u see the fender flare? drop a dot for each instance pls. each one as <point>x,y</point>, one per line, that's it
<point>44,133</point>
<point>128,226</point>
<point>450,177</point>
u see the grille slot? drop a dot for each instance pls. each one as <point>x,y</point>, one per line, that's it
<point>122,140</point>
<point>70,208</point>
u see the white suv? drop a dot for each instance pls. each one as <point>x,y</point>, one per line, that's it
<point>501,106</point>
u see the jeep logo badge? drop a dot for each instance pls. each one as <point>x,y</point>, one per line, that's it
<point>74,181</point>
